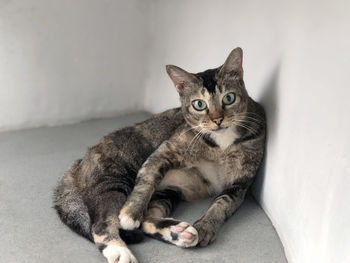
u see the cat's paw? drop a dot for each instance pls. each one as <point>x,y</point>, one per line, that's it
<point>126,220</point>
<point>183,235</point>
<point>127,223</point>
<point>206,232</point>
<point>118,254</point>
<point>172,231</point>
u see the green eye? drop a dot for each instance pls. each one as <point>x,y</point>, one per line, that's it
<point>229,98</point>
<point>199,105</point>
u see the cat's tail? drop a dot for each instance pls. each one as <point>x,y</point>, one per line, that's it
<point>73,212</point>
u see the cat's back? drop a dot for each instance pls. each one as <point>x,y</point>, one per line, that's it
<point>161,127</point>
<point>126,149</point>
<point>153,131</point>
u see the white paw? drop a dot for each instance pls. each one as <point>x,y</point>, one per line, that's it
<point>118,254</point>
<point>184,235</point>
<point>128,223</point>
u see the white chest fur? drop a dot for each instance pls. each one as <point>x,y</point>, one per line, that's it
<point>214,174</point>
<point>224,138</point>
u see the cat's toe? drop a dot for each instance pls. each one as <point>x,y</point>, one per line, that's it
<point>206,233</point>
<point>127,223</point>
<point>118,254</point>
<point>184,235</point>
<point>208,238</point>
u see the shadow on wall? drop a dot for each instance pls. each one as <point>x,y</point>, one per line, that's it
<point>269,101</point>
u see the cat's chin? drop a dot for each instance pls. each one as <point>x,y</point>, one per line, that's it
<point>220,129</point>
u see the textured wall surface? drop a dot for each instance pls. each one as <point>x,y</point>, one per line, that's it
<point>64,61</point>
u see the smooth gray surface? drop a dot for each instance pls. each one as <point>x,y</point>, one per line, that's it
<point>31,161</point>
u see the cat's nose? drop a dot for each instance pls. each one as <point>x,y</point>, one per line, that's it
<point>218,121</point>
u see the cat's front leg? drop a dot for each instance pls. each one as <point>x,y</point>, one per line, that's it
<point>149,176</point>
<point>221,209</point>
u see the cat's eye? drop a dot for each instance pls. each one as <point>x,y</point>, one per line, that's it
<point>229,98</point>
<point>199,105</point>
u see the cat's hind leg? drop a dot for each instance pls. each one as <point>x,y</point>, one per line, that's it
<point>105,228</point>
<point>177,185</point>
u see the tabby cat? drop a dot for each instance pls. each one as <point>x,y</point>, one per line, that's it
<point>134,177</point>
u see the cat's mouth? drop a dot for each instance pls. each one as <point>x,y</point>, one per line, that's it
<point>220,128</point>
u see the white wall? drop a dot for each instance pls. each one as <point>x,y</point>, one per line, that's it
<point>296,62</point>
<point>64,61</point>
<point>197,35</point>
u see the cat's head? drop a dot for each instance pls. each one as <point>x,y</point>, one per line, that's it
<point>214,99</point>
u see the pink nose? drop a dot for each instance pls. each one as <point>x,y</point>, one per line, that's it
<point>218,121</point>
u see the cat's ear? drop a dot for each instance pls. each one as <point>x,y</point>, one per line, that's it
<point>180,77</point>
<point>233,63</point>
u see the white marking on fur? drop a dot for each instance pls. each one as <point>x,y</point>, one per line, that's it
<point>128,223</point>
<point>225,137</point>
<point>118,254</point>
<point>214,173</point>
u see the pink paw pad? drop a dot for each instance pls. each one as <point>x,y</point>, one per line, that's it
<point>184,235</point>
<point>187,235</point>
<point>179,229</point>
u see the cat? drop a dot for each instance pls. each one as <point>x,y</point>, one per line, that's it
<point>134,177</point>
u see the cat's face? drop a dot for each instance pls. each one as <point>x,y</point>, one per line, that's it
<point>215,99</point>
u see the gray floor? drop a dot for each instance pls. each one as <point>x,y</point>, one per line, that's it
<point>31,161</point>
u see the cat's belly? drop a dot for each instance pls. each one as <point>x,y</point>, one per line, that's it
<point>197,182</point>
<point>214,173</point>
<point>188,180</point>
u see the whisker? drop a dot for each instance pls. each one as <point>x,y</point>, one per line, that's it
<point>251,129</point>
<point>195,140</point>
<point>192,140</point>
<point>250,113</point>
<point>200,136</point>
<point>246,128</point>
<point>250,122</point>
<point>253,119</point>
<point>195,127</point>
<point>242,116</point>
